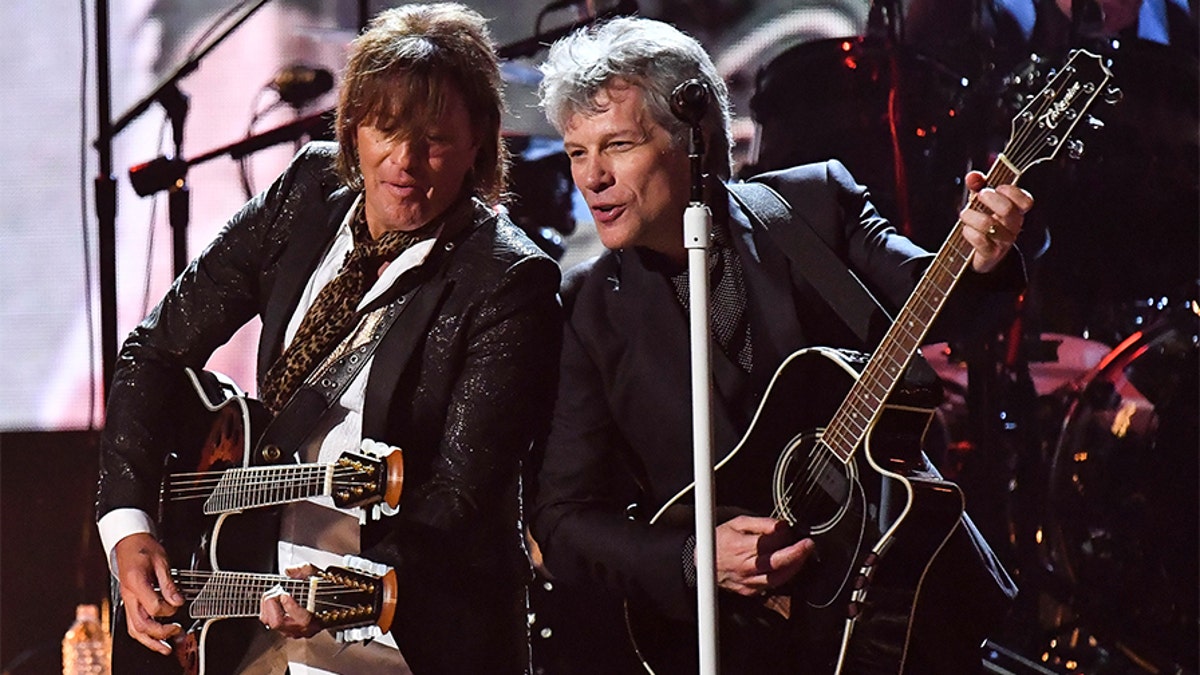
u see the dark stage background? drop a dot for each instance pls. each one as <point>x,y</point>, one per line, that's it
<point>50,554</point>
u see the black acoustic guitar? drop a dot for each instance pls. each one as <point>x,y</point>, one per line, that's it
<point>835,450</point>
<point>213,510</point>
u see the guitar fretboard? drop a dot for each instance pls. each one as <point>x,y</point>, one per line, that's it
<point>245,488</point>
<point>1040,130</point>
<point>864,402</point>
<point>237,594</point>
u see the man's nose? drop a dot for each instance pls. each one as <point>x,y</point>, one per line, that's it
<point>405,152</point>
<point>594,175</point>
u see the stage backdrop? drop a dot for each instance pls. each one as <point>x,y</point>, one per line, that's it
<point>50,311</point>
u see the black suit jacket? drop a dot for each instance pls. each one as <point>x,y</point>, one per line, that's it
<point>621,430</point>
<point>462,382</point>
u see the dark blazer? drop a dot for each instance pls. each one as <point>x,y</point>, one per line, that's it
<point>621,430</point>
<point>463,381</point>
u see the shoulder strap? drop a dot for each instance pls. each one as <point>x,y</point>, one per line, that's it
<point>842,290</point>
<point>325,385</point>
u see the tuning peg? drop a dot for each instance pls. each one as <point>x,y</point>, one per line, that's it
<point>1094,123</point>
<point>1075,148</point>
<point>1113,95</point>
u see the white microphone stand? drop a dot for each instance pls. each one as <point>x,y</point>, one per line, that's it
<point>697,221</point>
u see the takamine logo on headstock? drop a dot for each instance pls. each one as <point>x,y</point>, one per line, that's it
<point>1046,123</point>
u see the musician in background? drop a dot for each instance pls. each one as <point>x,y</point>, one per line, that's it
<point>621,430</point>
<point>399,215</point>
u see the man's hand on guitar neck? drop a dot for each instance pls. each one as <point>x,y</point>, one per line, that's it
<point>280,612</point>
<point>756,554</point>
<point>143,570</point>
<point>991,232</point>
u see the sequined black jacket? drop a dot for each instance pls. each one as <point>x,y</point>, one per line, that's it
<point>462,382</point>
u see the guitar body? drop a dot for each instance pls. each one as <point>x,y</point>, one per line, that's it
<point>217,429</point>
<point>878,521</point>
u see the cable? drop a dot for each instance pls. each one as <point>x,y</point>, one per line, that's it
<point>150,238</point>
<point>255,115</point>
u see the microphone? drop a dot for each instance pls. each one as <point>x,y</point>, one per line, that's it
<point>300,84</point>
<point>689,101</point>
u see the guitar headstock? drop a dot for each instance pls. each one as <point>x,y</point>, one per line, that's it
<point>369,475</point>
<point>1048,122</point>
<point>362,595</point>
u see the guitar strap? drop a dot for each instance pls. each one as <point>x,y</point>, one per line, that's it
<point>326,384</point>
<point>837,284</point>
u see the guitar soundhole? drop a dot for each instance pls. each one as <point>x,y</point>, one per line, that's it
<point>812,485</point>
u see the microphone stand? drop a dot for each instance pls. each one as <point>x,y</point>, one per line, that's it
<point>697,221</point>
<point>105,185</point>
<point>175,102</point>
<point>105,193</point>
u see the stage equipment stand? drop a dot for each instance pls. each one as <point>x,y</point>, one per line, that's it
<point>106,202</point>
<point>689,102</point>
<point>167,94</point>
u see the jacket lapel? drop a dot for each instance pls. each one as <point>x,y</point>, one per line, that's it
<point>647,300</point>
<point>774,325</point>
<point>423,291</point>
<point>309,239</point>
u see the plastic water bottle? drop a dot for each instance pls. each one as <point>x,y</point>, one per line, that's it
<point>85,647</point>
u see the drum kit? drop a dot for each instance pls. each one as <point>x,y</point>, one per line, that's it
<point>1074,434</point>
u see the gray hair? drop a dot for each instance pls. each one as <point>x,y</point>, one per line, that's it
<point>650,54</point>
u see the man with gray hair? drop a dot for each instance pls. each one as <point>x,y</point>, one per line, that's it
<point>621,429</point>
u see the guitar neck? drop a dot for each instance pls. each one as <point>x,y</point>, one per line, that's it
<point>230,595</point>
<point>865,400</point>
<point>252,487</point>
<point>361,595</point>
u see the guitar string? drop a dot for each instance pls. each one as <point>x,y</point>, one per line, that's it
<point>215,474</point>
<point>198,580</point>
<point>875,382</point>
<point>240,594</point>
<point>207,481</point>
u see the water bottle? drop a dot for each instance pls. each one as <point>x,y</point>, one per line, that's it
<point>85,647</point>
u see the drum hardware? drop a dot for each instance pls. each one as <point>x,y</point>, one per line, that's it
<point>1119,521</point>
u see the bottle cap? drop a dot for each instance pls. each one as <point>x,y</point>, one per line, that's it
<point>87,613</point>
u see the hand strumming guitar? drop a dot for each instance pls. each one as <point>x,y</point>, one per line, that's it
<point>147,590</point>
<point>757,554</point>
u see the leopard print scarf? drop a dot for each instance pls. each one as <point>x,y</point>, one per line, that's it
<point>334,311</point>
